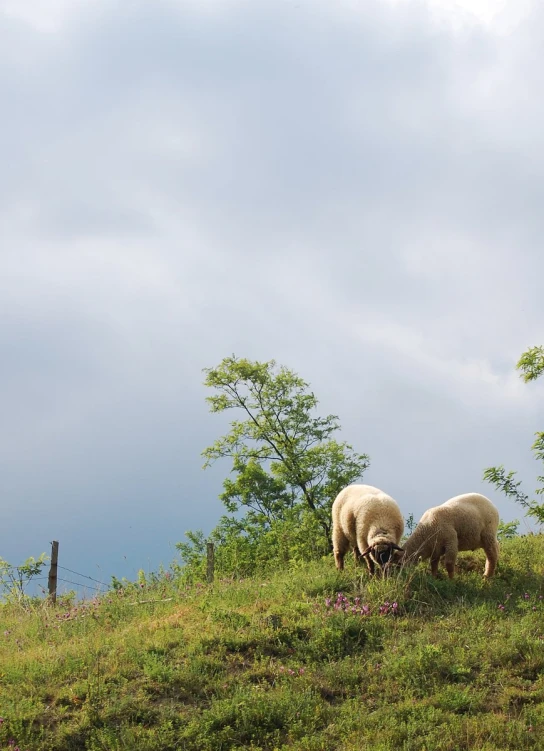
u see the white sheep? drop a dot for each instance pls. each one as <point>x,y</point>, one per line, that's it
<point>466,522</point>
<point>370,521</point>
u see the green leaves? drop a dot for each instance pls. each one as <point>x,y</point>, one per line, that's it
<point>257,490</point>
<point>13,579</point>
<point>282,452</point>
<point>507,530</point>
<point>531,364</point>
<point>538,450</point>
<point>504,481</point>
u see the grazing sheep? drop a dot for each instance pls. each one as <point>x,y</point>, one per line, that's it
<point>370,521</point>
<point>466,522</point>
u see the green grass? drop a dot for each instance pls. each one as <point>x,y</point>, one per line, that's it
<point>267,664</point>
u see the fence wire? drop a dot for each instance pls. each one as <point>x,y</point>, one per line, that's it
<point>79,584</point>
<point>84,576</point>
<point>8,567</point>
<point>66,581</point>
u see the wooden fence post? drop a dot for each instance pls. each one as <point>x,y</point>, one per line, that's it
<point>210,561</point>
<point>52,581</point>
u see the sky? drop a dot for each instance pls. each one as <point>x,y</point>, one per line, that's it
<point>353,189</point>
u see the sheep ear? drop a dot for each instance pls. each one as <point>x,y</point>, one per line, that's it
<point>367,552</point>
<point>396,547</point>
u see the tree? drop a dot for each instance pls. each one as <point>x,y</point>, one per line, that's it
<point>14,579</point>
<point>531,365</point>
<point>283,455</point>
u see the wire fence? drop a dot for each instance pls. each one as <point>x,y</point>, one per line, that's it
<point>31,579</point>
<point>79,584</point>
<point>15,575</point>
<point>84,585</point>
<point>11,582</point>
<point>82,575</point>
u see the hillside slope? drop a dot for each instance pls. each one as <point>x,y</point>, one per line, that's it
<point>410,663</point>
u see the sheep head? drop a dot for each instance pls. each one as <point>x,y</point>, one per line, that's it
<point>382,552</point>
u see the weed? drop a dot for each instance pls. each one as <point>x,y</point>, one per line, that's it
<point>309,658</point>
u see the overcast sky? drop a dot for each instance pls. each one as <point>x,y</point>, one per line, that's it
<point>353,189</point>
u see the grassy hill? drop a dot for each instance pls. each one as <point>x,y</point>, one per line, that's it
<point>286,663</point>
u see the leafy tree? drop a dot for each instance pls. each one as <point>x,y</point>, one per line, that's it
<point>13,579</point>
<point>507,530</point>
<point>286,467</point>
<point>531,365</point>
<point>282,452</point>
<point>410,524</point>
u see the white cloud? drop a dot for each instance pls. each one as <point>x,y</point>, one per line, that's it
<point>46,16</point>
<point>496,16</point>
<point>352,189</point>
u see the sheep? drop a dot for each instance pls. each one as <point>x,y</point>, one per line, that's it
<point>370,521</point>
<point>465,522</point>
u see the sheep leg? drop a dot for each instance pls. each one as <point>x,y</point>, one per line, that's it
<point>491,550</point>
<point>434,566</point>
<point>450,556</point>
<point>370,564</point>
<point>340,545</point>
<point>357,555</point>
<point>339,560</point>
